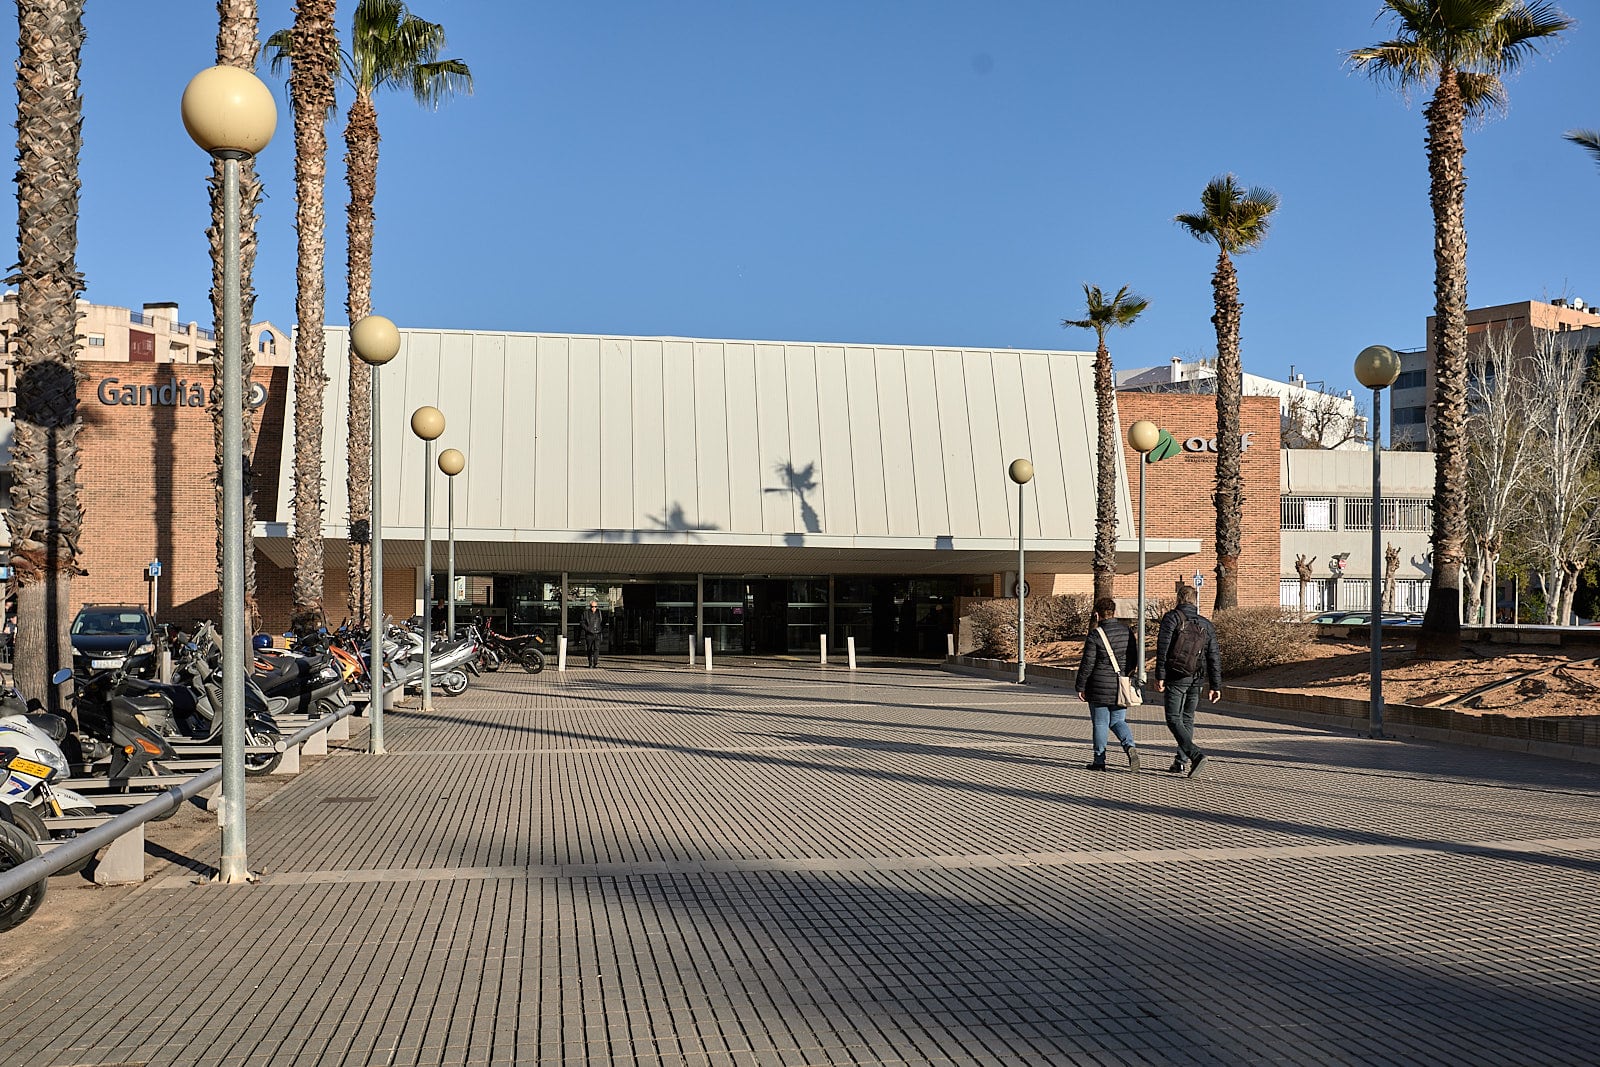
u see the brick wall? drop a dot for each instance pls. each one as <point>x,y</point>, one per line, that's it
<point>1178,495</point>
<point>147,477</point>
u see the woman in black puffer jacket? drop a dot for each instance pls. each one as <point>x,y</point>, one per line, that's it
<point>1097,681</point>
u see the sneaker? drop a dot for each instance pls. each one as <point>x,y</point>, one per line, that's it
<point>1178,767</point>
<point>1199,766</point>
<point>1133,760</point>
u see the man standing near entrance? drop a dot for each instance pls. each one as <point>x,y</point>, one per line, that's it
<point>1187,658</point>
<point>591,621</point>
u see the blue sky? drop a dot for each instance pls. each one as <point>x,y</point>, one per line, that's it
<point>880,171</point>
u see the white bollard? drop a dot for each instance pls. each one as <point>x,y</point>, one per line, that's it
<point>691,652</point>
<point>823,641</point>
<point>708,653</point>
<point>950,645</point>
<point>561,652</point>
<point>850,646</point>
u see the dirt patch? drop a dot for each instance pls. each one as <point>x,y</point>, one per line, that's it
<point>1551,682</point>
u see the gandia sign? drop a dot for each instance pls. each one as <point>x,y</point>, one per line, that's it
<point>175,393</point>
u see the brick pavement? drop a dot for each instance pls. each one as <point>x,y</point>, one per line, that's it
<point>647,865</point>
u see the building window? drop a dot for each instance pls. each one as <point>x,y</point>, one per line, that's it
<point>1411,379</point>
<point>1410,416</point>
<point>1399,513</point>
<point>1306,512</point>
<point>97,340</point>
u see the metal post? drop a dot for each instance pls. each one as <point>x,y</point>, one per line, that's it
<point>699,608</point>
<point>1375,668</point>
<point>1139,645</point>
<point>375,652</point>
<point>450,612</point>
<point>1022,641</point>
<point>563,613</point>
<point>427,577</point>
<point>234,864</point>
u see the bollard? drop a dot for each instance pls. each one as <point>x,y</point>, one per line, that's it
<point>166,666</point>
<point>708,653</point>
<point>691,651</point>
<point>850,646</point>
<point>950,645</point>
<point>561,652</point>
<point>823,641</point>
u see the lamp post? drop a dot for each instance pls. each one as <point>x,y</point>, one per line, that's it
<point>1376,368</point>
<point>376,340</point>
<point>1144,436</point>
<point>1022,473</point>
<point>230,113</point>
<point>427,423</point>
<point>452,462</point>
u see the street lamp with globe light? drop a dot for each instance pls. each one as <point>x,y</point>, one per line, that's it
<point>1021,472</point>
<point>1144,436</point>
<point>452,462</point>
<point>427,423</point>
<point>1377,367</point>
<point>376,340</point>
<point>230,113</point>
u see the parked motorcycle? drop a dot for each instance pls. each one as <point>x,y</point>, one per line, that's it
<point>524,651</point>
<point>15,850</point>
<point>109,711</point>
<point>31,761</point>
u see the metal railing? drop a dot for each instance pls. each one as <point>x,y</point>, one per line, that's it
<point>86,844</point>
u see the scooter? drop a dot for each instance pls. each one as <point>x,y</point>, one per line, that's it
<point>30,761</point>
<point>109,711</point>
<point>195,715</point>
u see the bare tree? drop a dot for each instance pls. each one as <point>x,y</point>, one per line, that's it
<point>1564,483</point>
<point>1302,567</point>
<point>1322,419</point>
<point>1499,461</point>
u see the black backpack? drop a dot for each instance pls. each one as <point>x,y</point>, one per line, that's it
<point>1187,647</point>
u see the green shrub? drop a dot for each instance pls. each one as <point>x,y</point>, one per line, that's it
<point>1253,639</point>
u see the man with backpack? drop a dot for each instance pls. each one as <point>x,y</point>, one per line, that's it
<point>1187,659</point>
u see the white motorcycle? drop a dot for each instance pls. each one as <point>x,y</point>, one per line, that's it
<point>31,761</point>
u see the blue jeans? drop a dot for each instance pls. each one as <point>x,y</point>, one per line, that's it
<point>1109,720</point>
<point>1183,700</point>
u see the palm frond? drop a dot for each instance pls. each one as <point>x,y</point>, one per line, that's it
<point>1232,217</point>
<point>1120,310</point>
<point>1482,94</point>
<point>392,47</point>
<point>1588,140</point>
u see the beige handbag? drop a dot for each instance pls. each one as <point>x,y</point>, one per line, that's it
<point>1127,691</point>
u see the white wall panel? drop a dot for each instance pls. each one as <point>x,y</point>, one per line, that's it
<point>833,416</point>
<point>1072,382</point>
<point>744,438</point>
<point>615,408</point>
<point>802,471</point>
<point>481,486</point>
<point>711,436</point>
<point>779,510</point>
<point>649,433</point>
<point>585,431</point>
<point>521,425</point>
<point>899,464</point>
<point>1014,441</point>
<point>683,489</point>
<point>550,436</point>
<point>955,432</point>
<point>866,443</point>
<point>1054,479</point>
<point>922,404</point>
<point>455,398</point>
<point>420,371</point>
<point>988,463</point>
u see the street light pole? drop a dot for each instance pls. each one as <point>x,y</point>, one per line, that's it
<point>427,423</point>
<point>1143,436</point>
<point>452,462</point>
<point>231,114</point>
<point>376,340</point>
<point>1021,472</point>
<point>1377,367</point>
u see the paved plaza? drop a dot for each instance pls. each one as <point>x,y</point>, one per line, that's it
<point>647,864</point>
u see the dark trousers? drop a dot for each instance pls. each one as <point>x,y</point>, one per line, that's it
<point>591,645</point>
<point>1183,700</point>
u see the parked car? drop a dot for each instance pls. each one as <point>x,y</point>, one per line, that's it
<point>107,637</point>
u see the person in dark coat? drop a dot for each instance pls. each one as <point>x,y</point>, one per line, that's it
<point>592,621</point>
<point>1097,681</point>
<point>1182,689</point>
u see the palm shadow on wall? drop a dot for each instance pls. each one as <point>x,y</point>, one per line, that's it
<point>672,520</point>
<point>801,481</point>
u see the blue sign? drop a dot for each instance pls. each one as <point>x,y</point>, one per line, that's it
<point>154,569</point>
<point>5,574</point>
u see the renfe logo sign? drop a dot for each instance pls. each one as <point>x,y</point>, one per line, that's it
<point>175,393</point>
<point>1209,444</point>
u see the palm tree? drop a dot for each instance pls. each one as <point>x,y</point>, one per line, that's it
<point>313,59</point>
<point>1589,139</point>
<point>46,515</point>
<point>389,48</point>
<point>1102,314</point>
<point>1461,50</point>
<point>237,46</point>
<point>1235,220</point>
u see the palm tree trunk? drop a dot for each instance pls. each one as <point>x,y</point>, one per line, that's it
<point>1105,520</point>
<point>1441,627</point>
<point>46,515</point>
<point>311,90</point>
<point>1229,496</point>
<point>361,174</point>
<point>237,46</point>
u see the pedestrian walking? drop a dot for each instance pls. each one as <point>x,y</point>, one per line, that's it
<point>1103,682</point>
<point>1188,661</point>
<point>592,622</point>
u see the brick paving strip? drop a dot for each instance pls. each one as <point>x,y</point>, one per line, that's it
<point>650,865</point>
